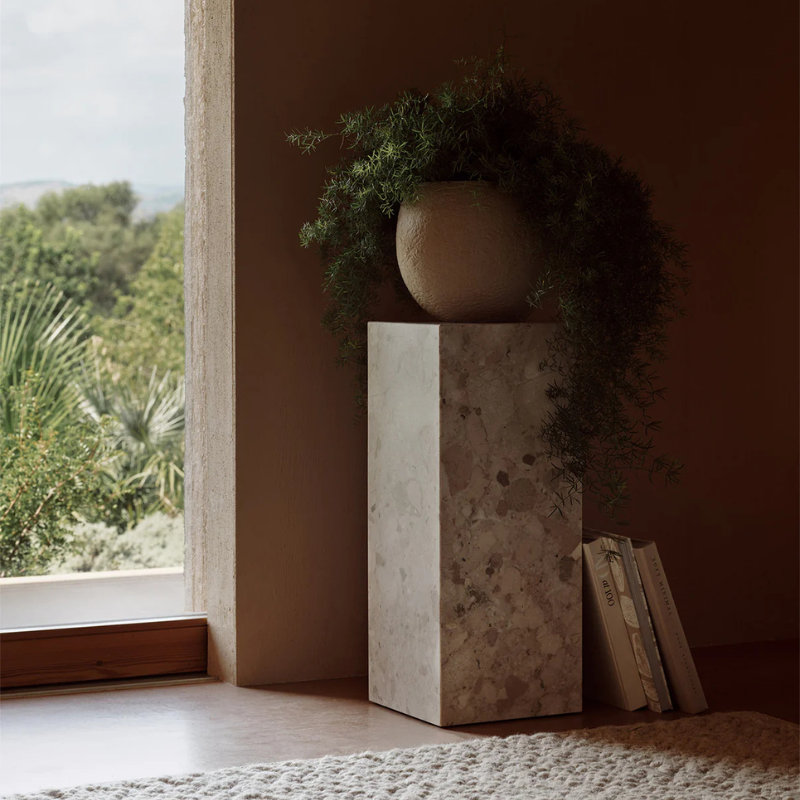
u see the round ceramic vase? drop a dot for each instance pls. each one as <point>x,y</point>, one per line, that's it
<point>466,252</point>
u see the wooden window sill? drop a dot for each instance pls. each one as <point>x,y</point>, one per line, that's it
<point>111,651</point>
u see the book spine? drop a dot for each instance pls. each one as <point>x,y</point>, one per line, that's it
<point>680,666</point>
<point>648,633</point>
<point>637,620</point>
<point>615,677</point>
<point>614,555</point>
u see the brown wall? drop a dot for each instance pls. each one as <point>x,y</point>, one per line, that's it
<point>702,99</point>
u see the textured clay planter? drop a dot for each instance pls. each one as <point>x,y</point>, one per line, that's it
<point>466,252</point>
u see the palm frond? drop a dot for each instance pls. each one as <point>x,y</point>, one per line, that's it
<point>43,333</point>
<point>146,425</point>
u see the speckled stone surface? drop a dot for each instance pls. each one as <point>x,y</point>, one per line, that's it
<point>475,588</point>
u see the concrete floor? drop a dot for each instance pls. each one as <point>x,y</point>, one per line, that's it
<point>62,740</point>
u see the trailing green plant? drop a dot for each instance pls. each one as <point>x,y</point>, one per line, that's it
<point>613,272</point>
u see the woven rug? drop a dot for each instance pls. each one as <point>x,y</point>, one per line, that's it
<point>734,756</point>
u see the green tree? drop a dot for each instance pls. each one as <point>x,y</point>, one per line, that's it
<point>146,329</point>
<point>49,477</point>
<point>25,255</point>
<point>51,455</point>
<point>138,384</point>
<point>97,223</point>
<point>107,204</point>
<point>91,418</point>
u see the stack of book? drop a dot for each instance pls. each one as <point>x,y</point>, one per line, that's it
<point>635,650</point>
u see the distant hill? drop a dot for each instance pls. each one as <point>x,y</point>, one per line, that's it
<point>29,192</point>
<point>152,197</point>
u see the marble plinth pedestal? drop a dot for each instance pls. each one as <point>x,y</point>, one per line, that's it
<point>474,586</point>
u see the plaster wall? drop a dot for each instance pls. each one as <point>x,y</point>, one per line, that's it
<point>210,519</point>
<point>701,98</point>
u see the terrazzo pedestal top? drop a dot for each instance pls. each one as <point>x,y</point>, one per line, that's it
<point>474,584</point>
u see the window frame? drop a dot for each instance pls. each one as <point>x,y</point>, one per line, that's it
<point>179,645</point>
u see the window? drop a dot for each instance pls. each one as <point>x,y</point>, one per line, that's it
<point>91,311</point>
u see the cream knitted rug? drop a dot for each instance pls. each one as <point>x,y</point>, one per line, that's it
<point>727,756</point>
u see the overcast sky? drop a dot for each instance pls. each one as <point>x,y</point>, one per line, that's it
<point>91,90</point>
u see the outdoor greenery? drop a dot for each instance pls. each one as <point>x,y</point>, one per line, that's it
<point>91,380</point>
<point>144,421</point>
<point>613,272</point>
<point>26,255</point>
<point>83,240</point>
<point>48,474</point>
<point>42,336</point>
<point>145,328</point>
<point>157,541</point>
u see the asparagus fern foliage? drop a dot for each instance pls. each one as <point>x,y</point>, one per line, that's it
<point>614,273</point>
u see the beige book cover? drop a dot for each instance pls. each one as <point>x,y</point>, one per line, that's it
<point>610,674</point>
<point>678,662</point>
<point>650,670</point>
